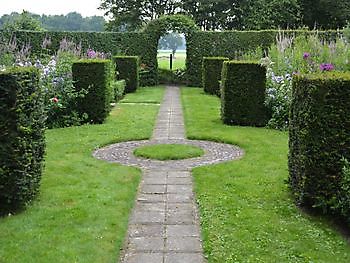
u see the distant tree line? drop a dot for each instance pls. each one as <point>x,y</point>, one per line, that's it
<point>231,14</point>
<point>71,22</point>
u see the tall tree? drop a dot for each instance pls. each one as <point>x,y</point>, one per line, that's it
<point>325,13</point>
<point>23,21</point>
<point>132,15</point>
<point>171,41</point>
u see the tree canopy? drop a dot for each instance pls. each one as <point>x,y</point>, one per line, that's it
<point>230,14</point>
<point>71,22</point>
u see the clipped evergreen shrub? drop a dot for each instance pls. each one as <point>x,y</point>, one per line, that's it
<point>319,140</point>
<point>118,87</point>
<point>211,74</point>
<point>243,93</point>
<point>127,68</point>
<point>94,76</point>
<point>22,141</point>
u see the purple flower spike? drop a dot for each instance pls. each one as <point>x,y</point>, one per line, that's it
<point>326,67</point>
<point>91,53</point>
<point>306,55</point>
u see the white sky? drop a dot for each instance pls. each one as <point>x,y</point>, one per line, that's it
<point>51,7</point>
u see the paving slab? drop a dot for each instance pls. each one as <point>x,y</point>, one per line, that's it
<point>164,224</point>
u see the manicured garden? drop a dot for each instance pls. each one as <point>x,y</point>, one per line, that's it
<point>247,212</point>
<point>294,85</point>
<point>82,211</point>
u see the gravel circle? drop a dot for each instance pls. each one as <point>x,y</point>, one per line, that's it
<point>122,153</point>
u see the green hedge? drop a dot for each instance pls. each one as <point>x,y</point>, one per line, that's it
<point>139,44</point>
<point>172,77</point>
<point>127,68</point>
<point>199,44</point>
<point>243,93</point>
<point>319,139</point>
<point>118,88</point>
<point>94,76</point>
<point>211,74</point>
<point>232,44</point>
<point>22,142</point>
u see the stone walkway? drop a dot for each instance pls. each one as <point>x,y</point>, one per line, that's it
<point>164,225</point>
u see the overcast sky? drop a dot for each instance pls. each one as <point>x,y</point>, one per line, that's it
<point>51,7</point>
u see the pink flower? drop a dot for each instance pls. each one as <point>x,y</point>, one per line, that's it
<point>55,100</point>
<point>326,67</point>
<point>306,55</point>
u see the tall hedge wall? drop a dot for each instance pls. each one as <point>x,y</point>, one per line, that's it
<point>243,86</point>
<point>211,74</point>
<point>22,142</point>
<point>138,44</point>
<point>127,68</point>
<point>231,44</point>
<point>319,139</point>
<point>94,76</point>
<point>144,44</point>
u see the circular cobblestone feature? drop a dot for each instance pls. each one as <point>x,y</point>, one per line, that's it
<point>122,153</point>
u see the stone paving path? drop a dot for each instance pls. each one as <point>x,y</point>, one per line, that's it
<point>164,225</point>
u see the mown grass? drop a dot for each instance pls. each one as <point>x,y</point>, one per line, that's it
<point>168,151</point>
<point>179,62</point>
<point>145,95</point>
<point>82,212</point>
<point>247,214</point>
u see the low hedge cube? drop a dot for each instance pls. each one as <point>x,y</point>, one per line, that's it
<point>211,74</point>
<point>243,90</point>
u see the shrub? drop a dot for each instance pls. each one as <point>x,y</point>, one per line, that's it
<point>127,68</point>
<point>118,87</point>
<point>243,93</point>
<point>22,142</point>
<point>319,138</point>
<point>93,76</point>
<point>211,74</point>
<point>168,76</point>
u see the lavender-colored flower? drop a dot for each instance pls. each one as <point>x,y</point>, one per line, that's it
<point>326,67</point>
<point>91,53</point>
<point>306,55</point>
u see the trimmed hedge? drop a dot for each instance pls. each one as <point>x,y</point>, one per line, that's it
<point>211,74</point>
<point>118,88</point>
<point>22,141</point>
<point>127,68</point>
<point>143,45</point>
<point>233,44</point>
<point>199,44</point>
<point>94,76</point>
<point>243,93</point>
<point>319,139</point>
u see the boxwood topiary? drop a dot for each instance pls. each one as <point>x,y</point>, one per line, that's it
<point>94,76</point>
<point>127,68</point>
<point>22,142</point>
<point>211,74</point>
<point>243,93</point>
<point>319,139</point>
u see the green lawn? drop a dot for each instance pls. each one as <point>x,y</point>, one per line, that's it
<point>82,212</point>
<point>179,62</point>
<point>247,214</point>
<point>168,151</point>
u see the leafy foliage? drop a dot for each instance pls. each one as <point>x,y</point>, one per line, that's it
<point>243,93</point>
<point>22,142</point>
<point>319,139</point>
<point>211,74</point>
<point>127,68</point>
<point>72,21</point>
<point>23,21</point>
<point>94,76</point>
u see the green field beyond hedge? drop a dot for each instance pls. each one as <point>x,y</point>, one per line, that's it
<point>82,212</point>
<point>247,213</point>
